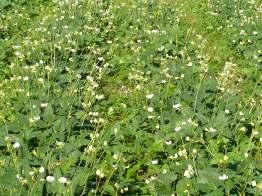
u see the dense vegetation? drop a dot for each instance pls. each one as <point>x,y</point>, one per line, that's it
<point>130,97</point>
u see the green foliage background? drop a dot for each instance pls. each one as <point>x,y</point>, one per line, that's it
<point>76,78</point>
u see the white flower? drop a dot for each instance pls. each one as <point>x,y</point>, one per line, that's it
<point>16,145</point>
<point>41,170</point>
<point>43,105</point>
<point>189,172</point>
<point>190,64</point>
<point>100,173</point>
<point>254,183</point>
<point>62,180</point>
<point>100,58</point>
<point>211,129</point>
<point>227,111</point>
<point>223,177</point>
<point>150,96</point>
<point>176,106</point>
<point>34,119</point>
<point>150,109</point>
<point>59,144</point>
<point>99,97</point>
<point>241,113</point>
<point>154,162</point>
<point>177,129</point>
<point>168,142</point>
<point>50,179</point>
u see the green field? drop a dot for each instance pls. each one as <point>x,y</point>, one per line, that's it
<point>130,97</point>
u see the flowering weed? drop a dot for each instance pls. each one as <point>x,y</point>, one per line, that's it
<point>130,97</point>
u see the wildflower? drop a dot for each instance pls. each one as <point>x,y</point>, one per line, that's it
<point>43,105</point>
<point>227,111</point>
<point>194,151</point>
<point>100,58</point>
<point>169,142</point>
<point>150,96</point>
<point>190,64</point>
<point>50,179</point>
<point>254,183</point>
<point>99,97</point>
<point>154,162</point>
<point>223,177</point>
<point>41,170</point>
<point>34,119</point>
<point>211,129</point>
<point>189,171</point>
<point>62,180</point>
<point>241,113</point>
<point>16,145</point>
<point>150,109</point>
<point>176,106</point>
<point>59,144</point>
<point>177,129</point>
<point>18,177</point>
<point>100,173</point>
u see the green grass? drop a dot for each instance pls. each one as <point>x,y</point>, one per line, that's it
<point>130,97</point>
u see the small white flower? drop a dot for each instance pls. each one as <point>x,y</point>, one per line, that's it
<point>99,97</point>
<point>16,145</point>
<point>176,106</point>
<point>211,129</point>
<point>60,144</point>
<point>189,171</point>
<point>177,129</point>
<point>100,58</point>
<point>168,142</point>
<point>227,111</point>
<point>62,180</point>
<point>41,170</point>
<point>190,64</point>
<point>41,80</point>
<point>100,173</point>
<point>254,183</point>
<point>50,179</point>
<point>115,156</point>
<point>154,162</point>
<point>223,177</point>
<point>241,113</point>
<point>43,105</point>
<point>150,109</point>
<point>150,96</point>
